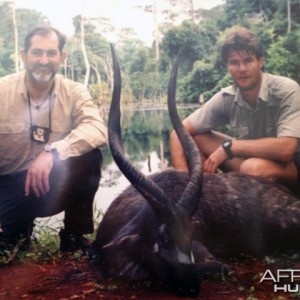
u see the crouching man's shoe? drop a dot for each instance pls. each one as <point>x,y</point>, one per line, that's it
<point>70,242</point>
<point>17,239</point>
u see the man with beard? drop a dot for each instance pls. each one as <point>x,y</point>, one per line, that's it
<point>50,134</point>
<point>263,114</point>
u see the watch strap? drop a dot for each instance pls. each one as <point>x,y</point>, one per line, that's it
<point>49,148</point>
<point>227,148</point>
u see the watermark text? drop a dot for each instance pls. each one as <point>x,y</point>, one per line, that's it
<point>284,280</point>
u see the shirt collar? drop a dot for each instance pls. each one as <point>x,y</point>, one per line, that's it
<point>264,91</point>
<point>23,88</point>
<point>234,91</point>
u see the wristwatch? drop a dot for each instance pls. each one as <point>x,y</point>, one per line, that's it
<point>49,148</point>
<point>227,148</point>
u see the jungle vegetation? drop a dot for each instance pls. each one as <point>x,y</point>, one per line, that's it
<point>146,69</point>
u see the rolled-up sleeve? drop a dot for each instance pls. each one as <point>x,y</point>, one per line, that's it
<point>86,129</point>
<point>211,115</point>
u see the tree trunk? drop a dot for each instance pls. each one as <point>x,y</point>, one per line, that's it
<point>16,36</point>
<point>83,49</point>
<point>289,15</point>
<point>155,16</point>
<point>98,76</point>
<point>191,4</point>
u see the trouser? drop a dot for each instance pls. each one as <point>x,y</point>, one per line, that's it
<point>73,184</point>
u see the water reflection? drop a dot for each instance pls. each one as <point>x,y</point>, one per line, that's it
<point>113,181</point>
<point>145,136</point>
<point>146,143</point>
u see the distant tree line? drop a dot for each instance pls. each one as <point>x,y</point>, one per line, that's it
<point>146,70</point>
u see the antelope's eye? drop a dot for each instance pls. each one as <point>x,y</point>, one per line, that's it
<point>165,236</point>
<point>167,241</point>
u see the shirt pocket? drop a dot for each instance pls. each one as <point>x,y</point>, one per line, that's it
<point>61,125</point>
<point>14,142</point>
<point>240,132</point>
<point>60,129</point>
<point>11,127</point>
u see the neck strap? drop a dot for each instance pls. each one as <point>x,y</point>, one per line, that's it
<point>49,106</point>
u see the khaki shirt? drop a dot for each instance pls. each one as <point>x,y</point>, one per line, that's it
<point>76,124</point>
<point>277,113</point>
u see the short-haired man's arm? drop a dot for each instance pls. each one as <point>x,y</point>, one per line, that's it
<point>281,149</point>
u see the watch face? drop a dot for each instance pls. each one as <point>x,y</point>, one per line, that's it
<point>226,144</point>
<point>48,148</point>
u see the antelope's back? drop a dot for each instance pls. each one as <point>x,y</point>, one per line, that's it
<point>246,215</point>
<point>237,215</point>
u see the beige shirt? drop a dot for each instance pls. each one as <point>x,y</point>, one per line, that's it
<point>76,124</point>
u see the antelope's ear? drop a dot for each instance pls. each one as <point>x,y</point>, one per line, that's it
<point>126,237</point>
<point>135,230</point>
<point>123,241</point>
<point>130,234</point>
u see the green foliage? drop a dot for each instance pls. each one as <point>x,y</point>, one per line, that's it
<point>186,35</point>
<point>141,68</point>
<point>144,77</point>
<point>278,57</point>
<point>44,244</point>
<point>99,92</point>
<point>199,80</point>
<point>26,21</point>
<point>283,56</point>
<point>43,249</point>
<point>222,82</point>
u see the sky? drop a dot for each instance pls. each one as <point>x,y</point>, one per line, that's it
<point>122,13</point>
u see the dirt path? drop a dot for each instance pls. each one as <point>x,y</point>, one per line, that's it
<point>72,278</point>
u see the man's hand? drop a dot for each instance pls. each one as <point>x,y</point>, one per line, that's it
<point>37,178</point>
<point>214,160</point>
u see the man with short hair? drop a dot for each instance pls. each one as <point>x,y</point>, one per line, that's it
<point>262,111</point>
<point>50,134</point>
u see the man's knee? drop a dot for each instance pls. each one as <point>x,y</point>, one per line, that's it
<point>255,167</point>
<point>72,182</point>
<point>89,167</point>
<point>78,169</point>
<point>205,138</point>
<point>90,162</point>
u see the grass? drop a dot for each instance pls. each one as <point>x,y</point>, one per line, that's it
<point>45,243</point>
<point>44,248</point>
